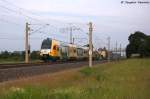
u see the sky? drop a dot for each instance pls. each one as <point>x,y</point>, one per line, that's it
<point>110,18</point>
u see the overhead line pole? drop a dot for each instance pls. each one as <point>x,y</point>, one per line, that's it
<point>27,43</point>
<point>90,44</point>
<point>108,49</point>
<point>70,35</point>
<point>116,46</point>
<point>120,50</point>
<point>27,46</point>
<point>73,40</point>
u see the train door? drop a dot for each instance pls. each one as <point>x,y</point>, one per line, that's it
<point>64,52</point>
<point>80,53</point>
<point>55,53</point>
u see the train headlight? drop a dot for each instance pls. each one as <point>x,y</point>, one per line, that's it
<point>44,52</point>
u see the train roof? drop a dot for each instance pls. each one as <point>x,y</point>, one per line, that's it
<point>68,44</point>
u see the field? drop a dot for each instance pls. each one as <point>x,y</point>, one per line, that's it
<point>127,79</point>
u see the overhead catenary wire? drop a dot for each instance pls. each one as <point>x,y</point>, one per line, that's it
<point>6,21</point>
<point>17,12</point>
<point>51,34</point>
<point>21,12</point>
<point>9,3</point>
<point>19,38</point>
<point>34,31</point>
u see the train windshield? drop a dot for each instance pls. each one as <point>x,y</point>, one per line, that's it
<point>46,44</point>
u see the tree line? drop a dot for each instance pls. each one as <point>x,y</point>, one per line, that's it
<point>139,43</point>
<point>18,55</point>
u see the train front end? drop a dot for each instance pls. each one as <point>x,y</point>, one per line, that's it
<point>50,50</point>
<point>46,49</point>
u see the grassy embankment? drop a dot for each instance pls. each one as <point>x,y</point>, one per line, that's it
<point>129,79</point>
<point>7,61</point>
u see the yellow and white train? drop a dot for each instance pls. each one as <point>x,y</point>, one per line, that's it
<point>53,50</point>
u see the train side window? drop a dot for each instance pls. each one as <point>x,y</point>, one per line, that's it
<point>57,48</point>
<point>54,48</point>
<point>74,50</point>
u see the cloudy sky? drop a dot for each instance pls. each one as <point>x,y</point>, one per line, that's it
<point>110,18</point>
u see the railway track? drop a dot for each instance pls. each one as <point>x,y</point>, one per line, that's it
<point>20,65</point>
<point>12,72</point>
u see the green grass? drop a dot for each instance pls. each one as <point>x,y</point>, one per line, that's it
<point>26,93</point>
<point>128,79</point>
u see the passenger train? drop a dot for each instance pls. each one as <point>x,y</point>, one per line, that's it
<point>53,50</point>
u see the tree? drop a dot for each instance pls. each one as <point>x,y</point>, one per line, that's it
<point>139,44</point>
<point>5,55</point>
<point>35,55</point>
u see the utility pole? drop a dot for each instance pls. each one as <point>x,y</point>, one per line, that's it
<point>117,51</point>
<point>108,49</point>
<point>120,50</point>
<point>90,44</point>
<point>73,40</point>
<point>26,43</point>
<point>71,35</point>
<point>116,46</point>
<point>71,29</point>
